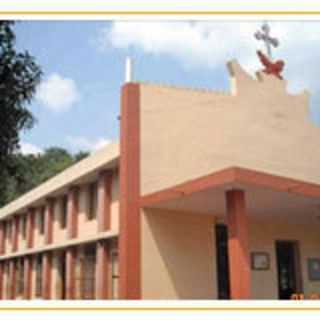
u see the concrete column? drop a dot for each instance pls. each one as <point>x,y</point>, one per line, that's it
<point>72,218</point>
<point>48,221</point>
<point>2,237</point>
<point>30,227</point>
<point>46,275</point>
<point>1,280</point>
<point>70,273</point>
<point>27,281</point>
<point>129,198</point>
<point>12,279</point>
<point>102,270</point>
<point>15,233</point>
<point>238,245</point>
<point>104,201</point>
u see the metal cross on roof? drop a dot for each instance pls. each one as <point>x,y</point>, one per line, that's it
<point>264,35</point>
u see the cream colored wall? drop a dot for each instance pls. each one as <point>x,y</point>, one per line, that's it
<point>179,258</point>
<point>22,240</point>
<point>258,126</point>
<point>8,239</point>
<point>178,255</point>
<point>263,237</point>
<point>55,280</point>
<point>22,243</point>
<point>38,237</point>
<point>86,227</point>
<point>59,234</point>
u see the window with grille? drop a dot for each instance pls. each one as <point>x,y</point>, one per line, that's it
<point>38,268</point>
<point>88,272</point>
<point>93,201</point>
<point>114,274</point>
<point>64,212</point>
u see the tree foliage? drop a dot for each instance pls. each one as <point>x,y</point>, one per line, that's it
<point>19,77</point>
<point>25,172</point>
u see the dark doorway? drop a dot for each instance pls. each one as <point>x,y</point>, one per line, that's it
<point>222,261</point>
<point>38,262</point>
<point>289,279</point>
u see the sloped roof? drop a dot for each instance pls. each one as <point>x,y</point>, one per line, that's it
<point>105,158</point>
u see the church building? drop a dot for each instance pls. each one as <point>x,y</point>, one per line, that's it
<point>207,195</point>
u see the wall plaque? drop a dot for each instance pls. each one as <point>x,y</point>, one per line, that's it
<point>260,261</point>
<point>314,269</point>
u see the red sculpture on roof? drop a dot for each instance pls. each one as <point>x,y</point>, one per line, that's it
<point>274,68</point>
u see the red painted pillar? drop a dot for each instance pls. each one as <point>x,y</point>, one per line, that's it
<point>102,270</point>
<point>104,201</point>
<point>15,233</point>
<point>30,227</point>
<point>238,245</point>
<point>46,275</point>
<point>129,238</point>
<point>72,232</point>
<point>1,279</point>
<point>13,279</point>
<point>48,221</point>
<point>27,285</point>
<point>2,237</point>
<point>72,218</point>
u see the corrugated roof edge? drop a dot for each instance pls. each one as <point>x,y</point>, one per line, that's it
<point>102,158</point>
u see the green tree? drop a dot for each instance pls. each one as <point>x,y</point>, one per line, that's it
<point>19,77</point>
<point>53,161</point>
<point>25,172</point>
<point>80,155</point>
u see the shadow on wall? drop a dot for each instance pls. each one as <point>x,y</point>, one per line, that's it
<point>179,256</point>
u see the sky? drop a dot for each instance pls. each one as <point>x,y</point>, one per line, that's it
<point>78,100</point>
